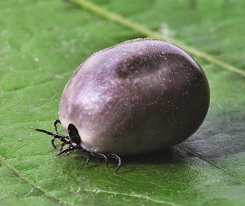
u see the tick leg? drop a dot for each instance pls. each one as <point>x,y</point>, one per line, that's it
<point>67,151</point>
<point>119,161</point>
<point>55,136</point>
<point>61,146</point>
<point>70,148</point>
<point>55,125</point>
<point>44,131</point>
<point>64,143</point>
<point>101,155</point>
<point>62,138</point>
<point>86,155</point>
<point>52,142</point>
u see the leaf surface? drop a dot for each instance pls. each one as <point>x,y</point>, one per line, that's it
<point>43,42</point>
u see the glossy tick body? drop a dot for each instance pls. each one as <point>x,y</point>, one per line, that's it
<point>135,97</point>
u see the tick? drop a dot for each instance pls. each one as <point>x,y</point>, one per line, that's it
<point>135,97</point>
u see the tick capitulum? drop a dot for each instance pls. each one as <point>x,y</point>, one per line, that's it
<point>73,141</point>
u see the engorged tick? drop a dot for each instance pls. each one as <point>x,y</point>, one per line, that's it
<point>135,97</point>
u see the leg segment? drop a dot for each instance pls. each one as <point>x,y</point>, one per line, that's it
<point>101,155</point>
<point>55,125</point>
<point>86,154</point>
<point>116,157</point>
<point>67,151</point>
<point>63,144</point>
<point>62,138</point>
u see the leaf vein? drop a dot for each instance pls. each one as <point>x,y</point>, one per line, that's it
<point>152,34</point>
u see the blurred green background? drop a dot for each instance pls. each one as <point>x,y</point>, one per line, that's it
<point>43,41</point>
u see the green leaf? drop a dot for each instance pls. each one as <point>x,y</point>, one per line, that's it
<point>43,42</point>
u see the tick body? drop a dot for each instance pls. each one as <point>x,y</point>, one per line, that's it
<point>138,96</point>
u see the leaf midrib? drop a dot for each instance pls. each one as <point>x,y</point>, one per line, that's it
<point>152,34</point>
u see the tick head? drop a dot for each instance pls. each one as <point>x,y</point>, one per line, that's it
<point>73,134</point>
